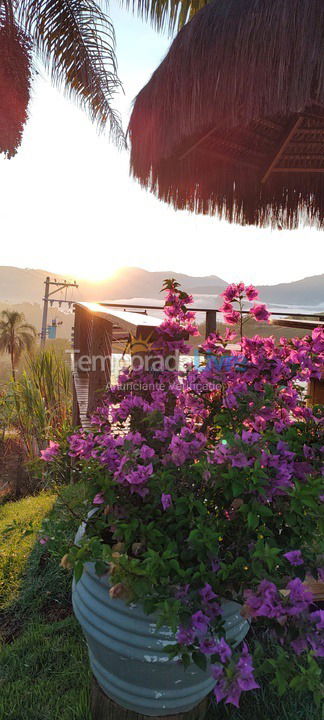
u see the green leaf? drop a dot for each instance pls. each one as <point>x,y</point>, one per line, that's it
<point>200,660</point>
<point>100,567</point>
<point>185,658</point>
<point>78,570</point>
<point>252,520</point>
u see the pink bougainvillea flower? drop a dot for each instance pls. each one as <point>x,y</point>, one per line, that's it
<point>294,557</point>
<point>98,499</point>
<point>230,293</point>
<point>232,317</point>
<point>251,293</point>
<point>146,452</point>
<point>185,635</point>
<point>208,646</point>
<point>260,313</point>
<point>207,594</point>
<point>223,649</point>
<point>50,452</point>
<point>226,307</point>
<point>166,501</point>
<point>200,622</point>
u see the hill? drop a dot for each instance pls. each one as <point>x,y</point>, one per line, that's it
<point>308,291</point>
<point>27,285</point>
<point>23,289</point>
<point>19,285</point>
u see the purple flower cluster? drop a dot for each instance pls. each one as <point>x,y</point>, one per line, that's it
<point>268,602</point>
<point>199,629</point>
<point>229,686</point>
<point>187,445</point>
<point>236,294</point>
<point>51,452</point>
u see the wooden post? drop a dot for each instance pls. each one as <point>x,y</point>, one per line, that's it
<point>211,322</point>
<point>103,708</point>
<point>82,329</point>
<point>316,391</point>
<point>100,360</point>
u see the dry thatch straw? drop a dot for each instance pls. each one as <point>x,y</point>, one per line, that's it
<point>242,82</point>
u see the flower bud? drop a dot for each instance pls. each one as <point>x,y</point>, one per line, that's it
<point>119,547</point>
<point>65,563</point>
<point>245,612</point>
<point>112,568</point>
<point>118,591</point>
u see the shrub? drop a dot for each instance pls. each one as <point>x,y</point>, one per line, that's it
<point>207,485</point>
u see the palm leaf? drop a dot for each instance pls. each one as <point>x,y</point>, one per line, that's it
<point>15,76</point>
<point>166,14</point>
<point>30,328</point>
<point>77,44</point>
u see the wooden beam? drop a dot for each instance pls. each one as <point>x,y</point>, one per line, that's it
<point>282,147</point>
<point>196,144</point>
<point>304,324</point>
<point>231,160</point>
<point>298,170</point>
<point>301,156</point>
<point>130,321</point>
<point>312,131</point>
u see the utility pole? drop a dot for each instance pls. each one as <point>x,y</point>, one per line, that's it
<point>45,311</point>
<point>59,286</point>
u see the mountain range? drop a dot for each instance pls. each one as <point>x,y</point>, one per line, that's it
<point>23,289</point>
<point>19,285</point>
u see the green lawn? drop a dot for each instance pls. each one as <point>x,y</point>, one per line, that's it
<point>44,672</point>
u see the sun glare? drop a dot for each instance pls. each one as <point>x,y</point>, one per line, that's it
<point>97,274</point>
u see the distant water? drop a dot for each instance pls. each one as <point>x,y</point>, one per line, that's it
<point>214,301</point>
<point>301,309</point>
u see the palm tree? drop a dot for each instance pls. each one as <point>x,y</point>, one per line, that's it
<point>15,336</point>
<point>76,41</point>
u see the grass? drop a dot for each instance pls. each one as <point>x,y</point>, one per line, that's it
<point>44,671</point>
<point>15,519</point>
<point>45,674</point>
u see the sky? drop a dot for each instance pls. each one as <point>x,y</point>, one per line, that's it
<point>68,204</point>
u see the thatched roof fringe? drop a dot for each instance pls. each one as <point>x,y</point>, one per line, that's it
<point>243,202</point>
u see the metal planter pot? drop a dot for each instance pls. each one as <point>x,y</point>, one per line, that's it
<point>127,654</point>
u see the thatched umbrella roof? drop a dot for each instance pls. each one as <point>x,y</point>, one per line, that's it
<point>232,121</point>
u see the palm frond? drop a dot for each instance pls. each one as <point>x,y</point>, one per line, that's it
<point>76,41</point>
<point>166,14</point>
<point>29,328</point>
<point>26,340</point>
<point>15,77</point>
<point>12,317</point>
